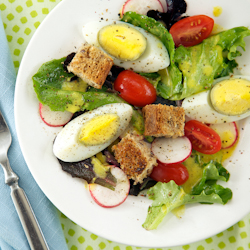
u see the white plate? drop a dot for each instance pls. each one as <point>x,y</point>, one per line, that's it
<point>58,35</point>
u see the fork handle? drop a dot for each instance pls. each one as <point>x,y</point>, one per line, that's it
<point>28,220</point>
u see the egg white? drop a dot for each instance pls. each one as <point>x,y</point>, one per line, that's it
<point>67,146</point>
<point>199,107</point>
<point>153,59</point>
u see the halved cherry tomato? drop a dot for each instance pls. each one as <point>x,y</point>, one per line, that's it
<point>167,172</point>
<point>203,138</point>
<point>134,88</point>
<point>191,30</point>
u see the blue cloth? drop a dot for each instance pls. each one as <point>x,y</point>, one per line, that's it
<point>11,233</point>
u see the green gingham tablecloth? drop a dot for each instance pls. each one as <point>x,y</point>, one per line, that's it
<point>21,18</point>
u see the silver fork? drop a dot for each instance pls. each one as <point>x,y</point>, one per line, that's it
<point>27,217</point>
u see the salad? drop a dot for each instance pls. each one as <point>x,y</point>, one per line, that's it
<point>61,90</point>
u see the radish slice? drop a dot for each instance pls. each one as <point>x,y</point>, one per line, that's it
<point>228,133</point>
<point>171,150</point>
<point>108,198</point>
<point>142,6</point>
<point>54,118</point>
<point>164,5</point>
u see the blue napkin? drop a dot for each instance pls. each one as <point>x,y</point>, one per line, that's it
<point>11,232</point>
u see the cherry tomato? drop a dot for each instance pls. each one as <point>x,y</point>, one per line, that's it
<point>167,172</point>
<point>135,89</point>
<point>191,30</point>
<point>203,138</point>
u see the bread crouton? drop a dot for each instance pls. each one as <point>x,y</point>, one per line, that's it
<point>135,157</point>
<point>163,120</point>
<point>92,65</point>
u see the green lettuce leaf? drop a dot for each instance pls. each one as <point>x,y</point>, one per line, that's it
<point>168,196</point>
<point>193,69</point>
<point>55,89</point>
<point>231,39</point>
<point>60,100</point>
<point>212,172</point>
<point>51,75</point>
<point>156,28</point>
<point>153,78</point>
<point>212,58</point>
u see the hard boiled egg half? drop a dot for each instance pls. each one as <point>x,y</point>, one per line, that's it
<point>130,47</point>
<point>91,132</point>
<point>227,101</point>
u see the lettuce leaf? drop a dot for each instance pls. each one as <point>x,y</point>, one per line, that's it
<point>193,69</point>
<point>231,39</point>
<point>212,58</point>
<point>153,78</point>
<point>51,84</point>
<point>51,75</point>
<point>167,196</point>
<point>212,172</point>
<point>156,28</point>
<point>199,64</point>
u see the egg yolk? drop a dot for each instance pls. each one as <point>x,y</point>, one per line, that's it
<point>99,129</point>
<point>122,41</point>
<point>231,97</point>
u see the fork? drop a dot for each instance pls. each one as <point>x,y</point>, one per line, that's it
<point>26,215</point>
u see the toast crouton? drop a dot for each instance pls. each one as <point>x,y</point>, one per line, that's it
<point>135,157</point>
<point>92,65</point>
<point>163,120</point>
